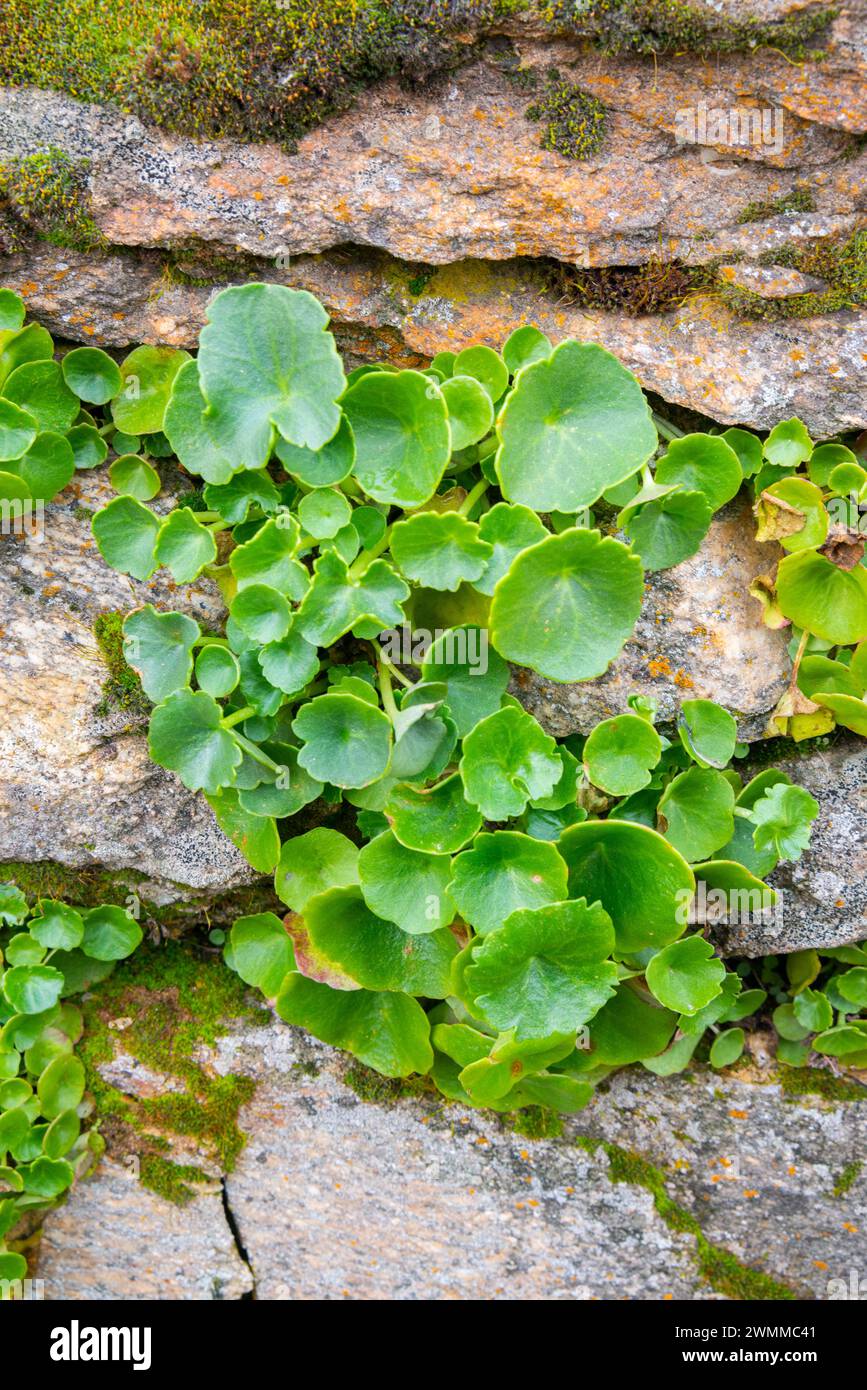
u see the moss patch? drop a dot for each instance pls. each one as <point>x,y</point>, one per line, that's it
<point>799,200</point>
<point>122,690</point>
<point>656,287</point>
<point>815,1081</point>
<point>370,1086</point>
<point>849,1175</point>
<point>47,193</point>
<point>666,26</point>
<point>722,1270</point>
<point>179,1001</point>
<point>840,262</point>
<point>573,120</point>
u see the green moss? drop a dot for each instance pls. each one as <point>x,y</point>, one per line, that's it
<point>841,263</point>
<point>369,1086</point>
<point>536,1122</point>
<point>122,690</point>
<point>849,1175</point>
<point>574,120</point>
<point>179,1001</point>
<point>47,193</point>
<point>799,200</point>
<point>665,26</point>
<point>815,1081</point>
<point>656,287</point>
<point>722,1270</point>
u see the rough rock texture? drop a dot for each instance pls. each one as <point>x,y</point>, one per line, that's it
<point>823,895</point>
<point>115,1240</point>
<point>79,787</point>
<point>336,1198</point>
<point>453,181</point>
<point>699,636</point>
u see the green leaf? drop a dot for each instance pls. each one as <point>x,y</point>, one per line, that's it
<point>261,952</point>
<point>436,820</point>
<point>389,1032</point>
<point>184,545</point>
<point>788,444</point>
<point>46,1177</point>
<point>439,550</point>
<point>13,904</point>
<point>640,879</point>
<point>474,675</point>
<point>405,886</point>
<point>217,670</point>
<point>829,602</point>
<point>266,364</point>
<point>727,1047</point>
<point>377,954</point>
<point>320,467</point>
<point>268,558</point>
<point>484,365</point>
<point>254,835</point>
<point>186,736</point>
<point>47,466</point>
<point>813,1011</point>
<point>290,664</point>
<point>39,388</point>
<point>402,437</point>
<point>697,810</point>
<point>523,346</point>
<point>18,430</point>
<point>575,424</point>
<point>567,605</point>
<point>783,817</point>
<point>23,949</point>
<point>825,459</point>
<point>852,984</point>
<point>234,499</point>
<point>31,989</point>
<point>159,648</point>
<point>620,754</point>
<point>702,463</point>
<point>57,926</point>
<point>323,512</point>
<point>509,530</point>
<point>89,449</point>
<point>792,512</point>
<point>708,732</point>
<point>841,1041</point>
<point>629,1030</point>
<point>346,741</point>
<point>92,375</point>
<point>190,430</point>
<point>61,1134</point>
<point>262,613</point>
<point>293,788</point>
<point>502,873</point>
<point>471,410</point>
<point>686,975</point>
<point>508,759</point>
<point>132,476</point>
<point>337,601</point>
<point>30,344</point>
<point>126,535</point>
<point>313,863</point>
<point>667,530</point>
<point>61,1086</point>
<point>748,449</point>
<point>110,934</point>
<point>148,374</point>
<point>11,311</point>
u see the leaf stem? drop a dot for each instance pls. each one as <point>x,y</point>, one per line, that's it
<point>238,717</point>
<point>473,497</point>
<point>367,557</point>
<point>256,753</point>
<point>385,690</point>
<point>393,670</point>
<point>667,430</point>
<point>799,655</point>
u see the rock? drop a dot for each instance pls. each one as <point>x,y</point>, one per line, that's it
<point>771,281</point>
<point>115,1240</point>
<point>79,787</point>
<point>335,1197</point>
<point>814,368</point>
<point>698,637</point>
<point>823,895</point>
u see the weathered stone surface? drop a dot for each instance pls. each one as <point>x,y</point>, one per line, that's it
<point>78,786</point>
<point>733,370</point>
<point>771,281</point>
<point>823,895</point>
<point>699,636</point>
<point>334,1197</point>
<point>115,1240</point>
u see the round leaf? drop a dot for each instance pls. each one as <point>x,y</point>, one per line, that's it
<point>503,873</point>
<point>389,1032</point>
<point>147,377</point>
<point>126,534</point>
<point>620,753</point>
<point>471,411</point>
<point>159,648</point>
<point>827,601</point>
<point>697,809</point>
<point>313,863</point>
<point>57,926</point>
<point>187,737</point>
<point>525,345</point>
<point>89,449</point>
<point>702,463</point>
<point>217,670</point>
<point>132,476</point>
<point>436,820</point>
<point>47,466</point>
<point>320,467</point>
<point>92,375</point>
<point>261,951</point>
<point>708,732</point>
<point>262,613</point>
<point>402,438</point>
<point>346,740</point>
<point>39,388</point>
<point>17,431</point>
<point>61,1086</point>
<point>184,545</point>
<point>668,529</point>
<point>404,886</point>
<point>377,954</point>
<point>508,759</point>
<point>110,934</point>
<point>189,429</point>
<point>31,989</point>
<point>686,975</point>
